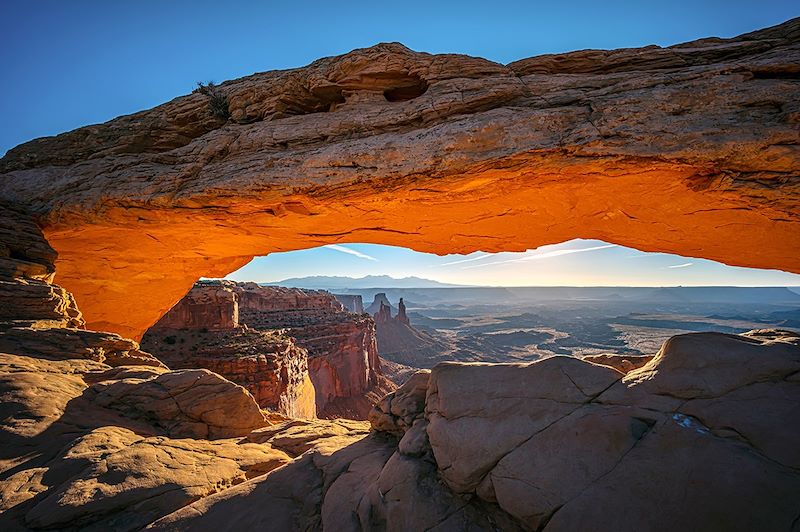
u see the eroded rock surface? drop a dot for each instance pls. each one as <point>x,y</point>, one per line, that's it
<point>72,459</point>
<point>558,444</point>
<point>190,403</point>
<point>647,148</point>
<point>269,364</point>
<point>298,351</point>
<point>61,343</point>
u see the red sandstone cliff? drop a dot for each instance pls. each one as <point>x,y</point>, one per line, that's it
<point>209,306</point>
<point>272,367</point>
<point>228,327</point>
<point>343,358</point>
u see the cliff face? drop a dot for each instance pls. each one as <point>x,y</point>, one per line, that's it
<point>325,361</point>
<point>353,303</point>
<point>268,364</point>
<point>203,330</point>
<point>213,306</point>
<point>647,148</point>
<point>342,351</point>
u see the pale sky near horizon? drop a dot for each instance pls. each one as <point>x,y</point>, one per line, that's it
<point>573,263</point>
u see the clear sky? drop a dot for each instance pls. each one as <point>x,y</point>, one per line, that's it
<point>574,263</point>
<point>69,63</point>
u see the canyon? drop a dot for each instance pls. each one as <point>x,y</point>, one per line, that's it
<point>299,352</point>
<point>689,149</point>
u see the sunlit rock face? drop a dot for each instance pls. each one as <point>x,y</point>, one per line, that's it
<point>691,149</point>
<point>342,350</point>
<point>203,331</point>
<point>208,306</point>
<point>297,351</point>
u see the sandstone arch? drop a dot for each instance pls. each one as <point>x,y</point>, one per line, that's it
<point>692,149</point>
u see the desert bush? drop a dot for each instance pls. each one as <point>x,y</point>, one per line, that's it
<point>217,101</point>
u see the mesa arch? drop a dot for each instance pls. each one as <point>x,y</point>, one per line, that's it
<point>692,149</point>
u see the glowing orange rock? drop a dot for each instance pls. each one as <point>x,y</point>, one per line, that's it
<point>691,149</point>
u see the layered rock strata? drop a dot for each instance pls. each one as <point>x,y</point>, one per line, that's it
<point>204,331</point>
<point>272,367</point>
<point>338,377</point>
<point>343,357</point>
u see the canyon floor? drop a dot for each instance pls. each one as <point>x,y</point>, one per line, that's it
<point>524,324</point>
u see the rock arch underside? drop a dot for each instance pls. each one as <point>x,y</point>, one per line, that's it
<point>692,149</point>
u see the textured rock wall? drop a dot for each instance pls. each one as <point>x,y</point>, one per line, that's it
<point>343,358</point>
<point>338,377</point>
<point>205,306</point>
<point>203,331</point>
<point>257,298</point>
<point>691,149</point>
<point>268,364</point>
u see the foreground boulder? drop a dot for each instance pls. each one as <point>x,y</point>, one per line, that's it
<point>192,403</point>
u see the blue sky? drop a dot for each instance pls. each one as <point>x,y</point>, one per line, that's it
<point>71,63</point>
<point>66,64</point>
<point>574,263</point>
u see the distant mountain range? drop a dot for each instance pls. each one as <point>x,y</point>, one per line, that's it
<point>418,290</point>
<point>323,282</point>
